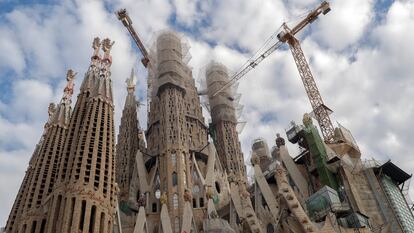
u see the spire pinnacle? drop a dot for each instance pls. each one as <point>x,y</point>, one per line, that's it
<point>106,47</point>
<point>131,81</point>
<point>96,45</point>
<point>68,91</point>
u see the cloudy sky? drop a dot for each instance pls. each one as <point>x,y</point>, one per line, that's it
<point>361,55</point>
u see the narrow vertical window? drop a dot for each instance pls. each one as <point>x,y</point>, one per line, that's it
<point>174,179</point>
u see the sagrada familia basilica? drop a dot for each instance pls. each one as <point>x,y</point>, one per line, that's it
<point>184,174</point>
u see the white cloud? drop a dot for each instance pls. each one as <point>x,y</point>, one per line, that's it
<point>346,23</point>
<point>30,100</point>
<point>186,11</point>
<point>244,23</point>
<point>9,45</point>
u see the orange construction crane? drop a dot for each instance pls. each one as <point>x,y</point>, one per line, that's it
<point>320,111</point>
<point>124,18</point>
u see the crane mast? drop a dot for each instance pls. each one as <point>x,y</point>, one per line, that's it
<point>127,22</point>
<point>320,110</point>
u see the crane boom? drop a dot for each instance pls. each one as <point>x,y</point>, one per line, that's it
<point>320,111</point>
<point>127,22</point>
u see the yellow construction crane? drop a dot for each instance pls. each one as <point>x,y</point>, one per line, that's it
<point>320,111</point>
<point>127,22</point>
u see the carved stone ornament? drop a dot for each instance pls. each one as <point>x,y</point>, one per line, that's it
<point>96,46</point>
<point>107,46</point>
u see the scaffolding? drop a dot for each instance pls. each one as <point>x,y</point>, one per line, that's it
<point>225,105</point>
<point>169,56</point>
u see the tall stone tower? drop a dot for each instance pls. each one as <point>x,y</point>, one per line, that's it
<point>128,141</point>
<point>28,213</point>
<point>224,121</point>
<point>18,205</point>
<point>85,195</point>
<point>176,126</point>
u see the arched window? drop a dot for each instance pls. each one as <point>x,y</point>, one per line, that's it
<point>174,178</point>
<point>175,201</point>
<point>217,187</point>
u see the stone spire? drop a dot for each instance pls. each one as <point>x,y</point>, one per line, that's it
<point>224,121</point>
<point>103,86</point>
<point>62,112</point>
<point>40,176</point>
<point>175,130</point>
<point>90,76</point>
<point>128,140</point>
<point>83,199</point>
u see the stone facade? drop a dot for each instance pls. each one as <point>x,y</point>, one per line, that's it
<point>128,141</point>
<point>70,184</point>
<point>173,179</point>
<point>184,184</point>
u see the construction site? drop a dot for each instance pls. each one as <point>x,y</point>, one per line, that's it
<point>183,173</point>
